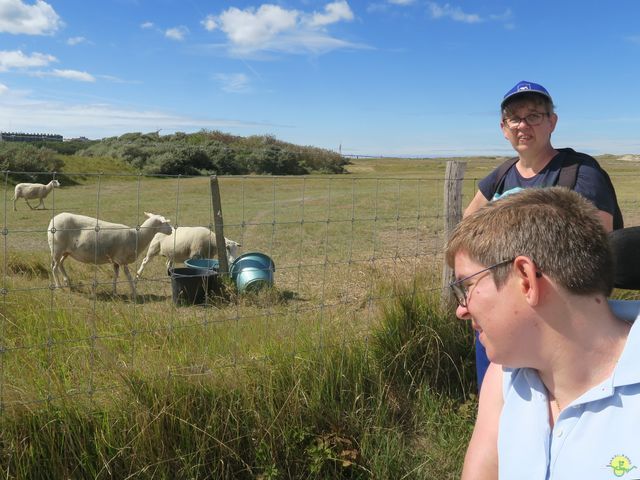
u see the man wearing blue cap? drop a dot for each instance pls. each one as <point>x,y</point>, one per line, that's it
<point>527,121</point>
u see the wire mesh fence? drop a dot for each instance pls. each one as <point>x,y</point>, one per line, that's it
<point>337,243</point>
<point>342,246</point>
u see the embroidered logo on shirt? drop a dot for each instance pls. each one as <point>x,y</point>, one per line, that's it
<point>621,465</point>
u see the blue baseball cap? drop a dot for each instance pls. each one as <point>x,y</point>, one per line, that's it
<point>525,87</point>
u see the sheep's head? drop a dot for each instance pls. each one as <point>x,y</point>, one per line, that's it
<point>232,249</point>
<point>55,183</point>
<point>160,223</point>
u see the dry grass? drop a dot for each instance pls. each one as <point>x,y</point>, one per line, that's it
<point>334,241</point>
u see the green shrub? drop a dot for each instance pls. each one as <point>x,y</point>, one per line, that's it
<point>273,160</point>
<point>215,152</point>
<point>68,147</point>
<point>28,163</point>
<point>180,160</point>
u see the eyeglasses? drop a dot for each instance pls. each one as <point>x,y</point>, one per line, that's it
<point>460,291</point>
<point>533,120</point>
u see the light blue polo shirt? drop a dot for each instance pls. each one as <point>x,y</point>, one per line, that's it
<point>597,437</point>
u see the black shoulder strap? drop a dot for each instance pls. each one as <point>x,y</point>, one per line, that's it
<point>568,177</point>
<point>501,172</point>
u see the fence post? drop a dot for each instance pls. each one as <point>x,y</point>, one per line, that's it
<point>454,176</point>
<point>219,224</point>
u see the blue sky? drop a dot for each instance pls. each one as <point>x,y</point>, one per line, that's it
<point>380,77</point>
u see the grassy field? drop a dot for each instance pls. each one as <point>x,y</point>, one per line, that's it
<point>345,369</point>
<point>332,238</point>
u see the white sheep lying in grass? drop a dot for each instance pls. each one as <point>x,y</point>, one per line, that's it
<point>184,243</point>
<point>94,241</point>
<point>30,191</point>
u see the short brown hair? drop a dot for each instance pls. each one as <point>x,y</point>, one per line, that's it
<point>511,105</point>
<point>557,228</point>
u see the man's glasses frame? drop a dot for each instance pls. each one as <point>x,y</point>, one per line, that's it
<point>460,291</point>
<point>533,120</point>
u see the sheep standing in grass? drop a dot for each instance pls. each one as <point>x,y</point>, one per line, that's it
<point>94,241</point>
<point>30,191</point>
<point>184,243</point>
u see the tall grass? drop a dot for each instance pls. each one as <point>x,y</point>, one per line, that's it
<point>348,369</point>
<point>392,405</point>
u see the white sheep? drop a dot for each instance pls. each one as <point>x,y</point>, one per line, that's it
<point>29,191</point>
<point>184,243</point>
<point>94,241</point>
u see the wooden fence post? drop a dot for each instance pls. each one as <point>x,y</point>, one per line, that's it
<point>454,177</point>
<point>219,224</point>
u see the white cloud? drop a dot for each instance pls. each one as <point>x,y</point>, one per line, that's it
<point>76,41</point>
<point>146,25</point>
<point>72,75</point>
<point>16,59</point>
<point>3,88</point>
<point>333,12</point>
<point>455,13</point>
<point>249,28</point>
<point>24,112</point>
<point>177,33</point>
<point>378,7</point>
<point>502,17</point>
<point>305,42</point>
<point>233,82</point>
<point>634,39</point>
<point>209,23</point>
<point>17,18</point>
<point>274,28</point>
<point>114,79</point>
<point>401,2</point>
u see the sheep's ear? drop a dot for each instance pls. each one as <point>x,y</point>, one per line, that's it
<point>149,215</point>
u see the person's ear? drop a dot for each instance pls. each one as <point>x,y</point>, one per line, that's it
<point>553,118</point>
<point>529,279</point>
<point>505,130</point>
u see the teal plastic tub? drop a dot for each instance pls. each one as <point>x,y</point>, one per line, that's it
<point>203,263</point>
<point>252,271</point>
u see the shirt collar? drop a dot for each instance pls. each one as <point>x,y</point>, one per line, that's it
<point>626,371</point>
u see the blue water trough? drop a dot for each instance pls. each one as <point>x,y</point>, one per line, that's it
<point>252,271</point>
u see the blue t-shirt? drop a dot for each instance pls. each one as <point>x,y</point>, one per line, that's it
<point>590,182</point>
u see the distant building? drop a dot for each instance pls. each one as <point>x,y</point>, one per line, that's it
<point>29,137</point>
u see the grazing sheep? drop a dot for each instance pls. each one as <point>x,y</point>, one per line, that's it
<point>90,240</point>
<point>29,191</point>
<point>184,243</point>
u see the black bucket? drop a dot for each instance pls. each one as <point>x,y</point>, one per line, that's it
<point>192,286</point>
